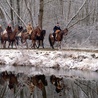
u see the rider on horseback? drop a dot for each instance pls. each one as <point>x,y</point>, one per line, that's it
<point>56,30</point>
<point>29,28</point>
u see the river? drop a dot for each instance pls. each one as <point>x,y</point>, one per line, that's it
<point>31,82</point>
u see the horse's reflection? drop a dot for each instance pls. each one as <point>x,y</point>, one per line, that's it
<point>38,81</point>
<point>10,78</point>
<point>58,82</point>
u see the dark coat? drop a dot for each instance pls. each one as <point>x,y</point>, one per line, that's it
<point>56,28</point>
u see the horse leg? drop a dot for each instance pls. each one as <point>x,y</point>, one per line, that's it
<point>51,41</point>
<point>26,43</point>
<point>60,44</point>
<point>38,43</point>
<point>15,43</point>
<point>9,44</point>
<point>34,44</point>
<point>42,44</point>
<point>4,44</point>
<point>17,40</point>
<point>12,44</point>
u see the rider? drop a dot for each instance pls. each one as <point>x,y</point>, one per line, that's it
<point>56,30</point>
<point>29,28</point>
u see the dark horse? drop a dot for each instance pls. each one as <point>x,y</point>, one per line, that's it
<point>58,37</point>
<point>9,36</point>
<point>41,38</point>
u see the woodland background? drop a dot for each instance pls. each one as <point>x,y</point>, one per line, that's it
<point>81,15</point>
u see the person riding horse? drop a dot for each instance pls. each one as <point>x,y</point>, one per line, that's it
<point>29,28</point>
<point>56,30</point>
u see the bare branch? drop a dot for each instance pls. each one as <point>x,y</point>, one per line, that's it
<point>29,11</point>
<point>15,13</point>
<point>76,13</point>
<point>81,19</point>
<point>5,11</point>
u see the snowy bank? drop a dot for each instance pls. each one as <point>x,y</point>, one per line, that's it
<point>50,59</point>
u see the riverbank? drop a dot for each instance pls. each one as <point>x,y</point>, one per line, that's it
<point>69,59</point>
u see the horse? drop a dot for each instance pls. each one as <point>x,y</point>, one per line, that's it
<point>35,35</point>
<point>38,81</point>
<point>9,36</point>
<point>4,36</point>
<point>57,82</point>
<point>40,38</point>
<point>58,37</point>
<point>11,78</point>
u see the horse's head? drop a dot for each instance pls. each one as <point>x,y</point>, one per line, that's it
<point>65,31</point>
<point>43,33</point>
<point>9,29</point>
<point>38,30</point>
<point>20,28</point>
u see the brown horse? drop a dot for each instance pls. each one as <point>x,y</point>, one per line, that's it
<point>34,34</point>
<point>4,36</point>
<point>9,36</point>
<point>11,78</point>
<point>40,38</point>
<point>38,81</point>
<point>57,38</point>
<point>24,36</point>
<point>57,82</point>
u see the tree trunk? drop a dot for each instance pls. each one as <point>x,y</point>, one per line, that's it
<point>11,3</point>
<point>41,13</point>
<point>18,11</point>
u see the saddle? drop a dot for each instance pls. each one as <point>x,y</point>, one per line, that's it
<point>57,32</point>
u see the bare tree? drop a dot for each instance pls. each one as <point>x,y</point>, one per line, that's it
<point>18,10</point>
<point>76,13</point>
<point>11,3</point>
<point>41,13</point>
<point>29,10</point>
<point>15,13</point>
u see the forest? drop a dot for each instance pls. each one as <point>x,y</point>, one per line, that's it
<point>79,16</point>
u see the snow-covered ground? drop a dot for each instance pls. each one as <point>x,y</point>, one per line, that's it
<point>49,59</point>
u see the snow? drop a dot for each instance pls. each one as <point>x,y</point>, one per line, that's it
<point>49,59</point>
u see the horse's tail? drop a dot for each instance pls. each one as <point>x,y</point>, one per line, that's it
<point>44,32</point>
<point>50,41</point>
<point>1,40</point>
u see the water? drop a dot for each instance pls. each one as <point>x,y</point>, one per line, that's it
<point>27,82</point>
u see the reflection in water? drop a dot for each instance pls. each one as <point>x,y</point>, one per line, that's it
<point>40,86</point>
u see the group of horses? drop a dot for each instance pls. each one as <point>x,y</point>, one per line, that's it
<point>37,37</point>
<point>13,81</point>
<point>13,36</point>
